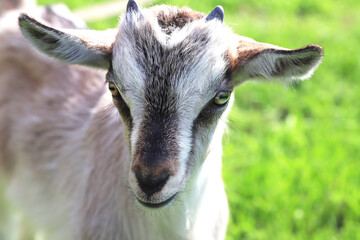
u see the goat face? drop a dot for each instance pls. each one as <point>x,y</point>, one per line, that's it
<point>168,79</point>
<point>171,73</point>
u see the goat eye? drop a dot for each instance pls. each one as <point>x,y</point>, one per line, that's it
<point>113,89</point>
<point>222,97</point>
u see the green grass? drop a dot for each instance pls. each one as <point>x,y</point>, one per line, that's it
<point>71,3</point>
<point>292,155</point>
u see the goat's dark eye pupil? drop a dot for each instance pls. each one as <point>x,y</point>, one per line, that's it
<point>222,97</point>
<point>113,89</point>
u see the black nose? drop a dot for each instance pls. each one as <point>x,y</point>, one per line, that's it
<point>151,184</point>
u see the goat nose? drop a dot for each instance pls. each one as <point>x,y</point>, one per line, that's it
<point>151,184</point>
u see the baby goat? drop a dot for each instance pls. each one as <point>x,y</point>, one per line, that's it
<point>78,171</point>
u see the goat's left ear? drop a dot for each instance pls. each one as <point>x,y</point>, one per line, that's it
<point>84,47</point>
<point>253,60</point>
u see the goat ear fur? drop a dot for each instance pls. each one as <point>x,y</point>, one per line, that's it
<point>84,47</point>
<point>253,60</point>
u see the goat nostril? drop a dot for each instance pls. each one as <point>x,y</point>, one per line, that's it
<point>151,184</point>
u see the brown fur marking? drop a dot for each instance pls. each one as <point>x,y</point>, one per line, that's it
<point>171,18</point>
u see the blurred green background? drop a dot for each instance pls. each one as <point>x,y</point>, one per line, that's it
<point>291,155</point>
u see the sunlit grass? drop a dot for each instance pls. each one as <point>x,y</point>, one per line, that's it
<point>291,159</point>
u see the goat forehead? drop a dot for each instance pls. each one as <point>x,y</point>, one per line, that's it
<point>190,59</point>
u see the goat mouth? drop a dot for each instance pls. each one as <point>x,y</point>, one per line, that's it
<point>158,205</point>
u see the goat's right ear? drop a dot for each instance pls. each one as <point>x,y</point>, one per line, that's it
<point>84,47</point>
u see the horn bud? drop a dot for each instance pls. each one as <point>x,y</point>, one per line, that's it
<point>216,13</point>
<point>132,7</point>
